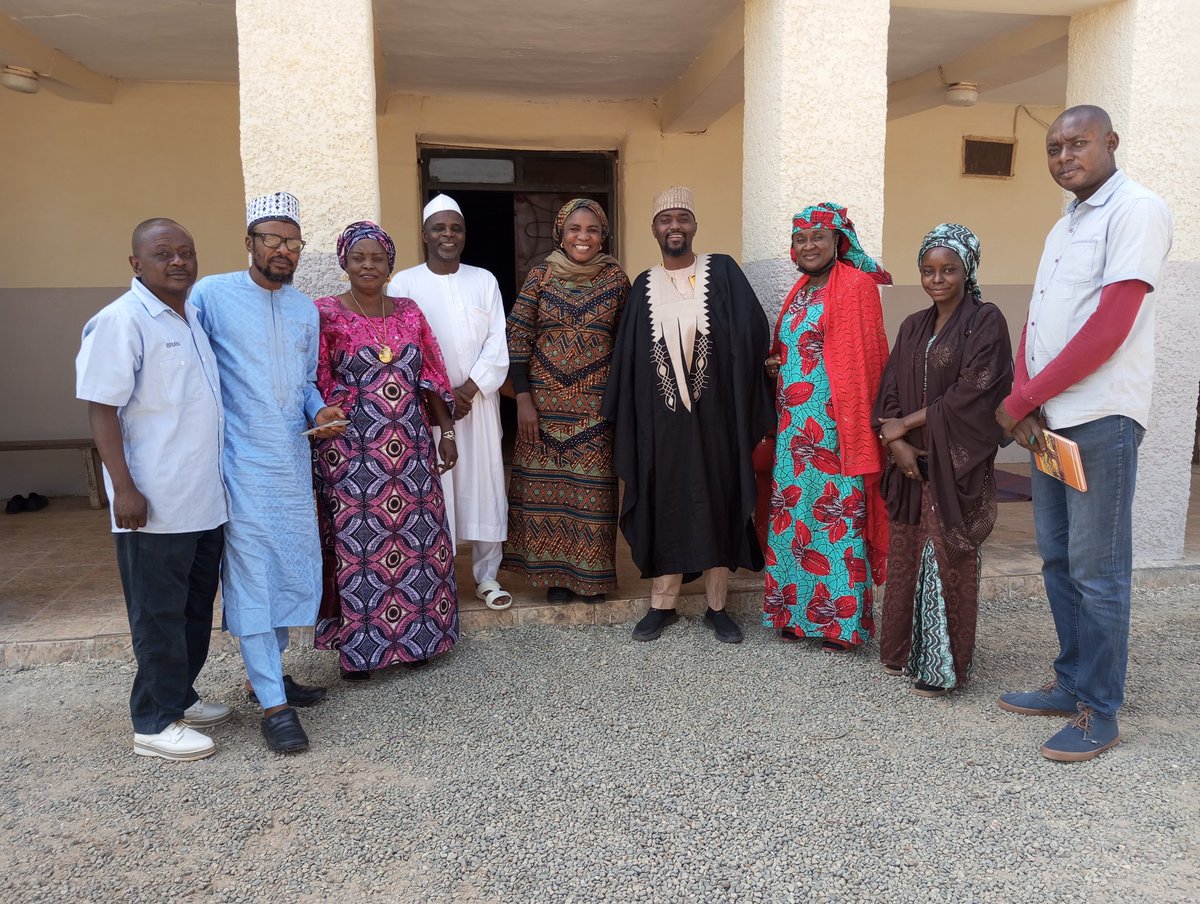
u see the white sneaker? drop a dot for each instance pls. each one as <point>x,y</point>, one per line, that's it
<point>175,742</point>
<point>204,714</point>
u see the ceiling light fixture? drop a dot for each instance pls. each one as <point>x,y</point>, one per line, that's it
<point>959,94</point>
<point>962,94</point>
<point>18,78</point>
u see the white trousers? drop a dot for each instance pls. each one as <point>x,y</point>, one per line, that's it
<point>485,559</point>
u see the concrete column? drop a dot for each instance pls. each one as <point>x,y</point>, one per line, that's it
<point>307,88</point>
<point>1137,59</point>
<point>814,126</point>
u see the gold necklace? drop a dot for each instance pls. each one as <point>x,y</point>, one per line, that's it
<point>385,350</point>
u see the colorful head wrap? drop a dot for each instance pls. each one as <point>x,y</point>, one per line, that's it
<point>828,215</point>
<point>963,242</point>
<point>570,207</point>
<point>364,229</point>
<point>281,206</point>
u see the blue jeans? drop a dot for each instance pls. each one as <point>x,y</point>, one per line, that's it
<point>1086,544</point>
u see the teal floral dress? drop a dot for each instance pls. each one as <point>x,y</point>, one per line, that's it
<point>817,582</point>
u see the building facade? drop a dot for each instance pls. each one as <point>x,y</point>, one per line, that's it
<point>362,109</point>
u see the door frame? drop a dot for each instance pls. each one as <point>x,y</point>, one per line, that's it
<point>428,152</point>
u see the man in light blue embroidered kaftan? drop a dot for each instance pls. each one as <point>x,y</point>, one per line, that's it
<point>264,335</point>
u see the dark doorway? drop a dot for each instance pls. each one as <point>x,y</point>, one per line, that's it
<point>489,216</point>
<point>509,200</point>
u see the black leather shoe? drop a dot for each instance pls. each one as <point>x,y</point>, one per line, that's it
<point>723,626</point>
<point>15,506</point>
<point>297,694</point>
<point>284,733</point>
<point>35,502</point>
<point>559,595</point>
<point>302,694</point>
<point>653,623</point>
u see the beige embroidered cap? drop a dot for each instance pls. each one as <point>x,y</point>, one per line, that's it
<point>674,198</point>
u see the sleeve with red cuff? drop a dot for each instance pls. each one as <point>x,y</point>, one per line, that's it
<point>1099,337</point>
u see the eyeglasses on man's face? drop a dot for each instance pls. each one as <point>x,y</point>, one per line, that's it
<point>272,240</point>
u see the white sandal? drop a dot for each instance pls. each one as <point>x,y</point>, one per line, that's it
<point>493,595</point>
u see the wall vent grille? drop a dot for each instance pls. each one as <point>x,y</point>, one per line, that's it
<point>990,158</point>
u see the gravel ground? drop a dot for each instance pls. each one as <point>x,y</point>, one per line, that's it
<point>571,764</point>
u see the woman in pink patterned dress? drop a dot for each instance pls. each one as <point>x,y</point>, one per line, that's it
<point>390,595</point>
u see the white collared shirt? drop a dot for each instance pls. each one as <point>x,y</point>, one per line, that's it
<point>158,370</point>
<point>1121,232</point>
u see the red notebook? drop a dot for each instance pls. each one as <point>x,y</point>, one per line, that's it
<point>1060,459</point>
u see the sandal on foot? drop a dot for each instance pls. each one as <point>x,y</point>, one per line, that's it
<point>894,670</point>
<point>921,689</point>
<point>493,595</point>
<point>559,595</point>
<point>790,635</point>
<point>835,646</point>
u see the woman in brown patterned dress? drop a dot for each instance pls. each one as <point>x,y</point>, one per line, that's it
<point>949,370</point>
<point>562,498</point>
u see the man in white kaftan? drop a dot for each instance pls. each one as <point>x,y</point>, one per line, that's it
<point>464,308</point>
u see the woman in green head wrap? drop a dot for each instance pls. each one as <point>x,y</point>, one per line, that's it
<point>950,368</point>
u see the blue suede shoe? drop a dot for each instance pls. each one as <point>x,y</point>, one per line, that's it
<point>1049,700</point>
<point>1086,736</point>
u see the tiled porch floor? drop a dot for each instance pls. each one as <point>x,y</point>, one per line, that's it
<point>60,596</point>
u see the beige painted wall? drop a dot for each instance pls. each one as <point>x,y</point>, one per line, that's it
<point>648,161</point>
<point>99,166</point>
<point>77,177</point>
<point>925,187</point>
<point>96,170</point>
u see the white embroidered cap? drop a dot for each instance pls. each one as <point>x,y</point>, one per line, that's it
<point>279,206</point>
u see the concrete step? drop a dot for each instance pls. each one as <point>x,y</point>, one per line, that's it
<point>745,601</point>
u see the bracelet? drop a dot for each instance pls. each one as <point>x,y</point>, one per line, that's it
<point>448,434</point>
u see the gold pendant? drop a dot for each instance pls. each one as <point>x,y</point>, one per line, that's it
<point>385,354</point>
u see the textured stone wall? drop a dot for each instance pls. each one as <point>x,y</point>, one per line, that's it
<point>814,126</point>
<point>1138,60</point>
<point>307,90</point>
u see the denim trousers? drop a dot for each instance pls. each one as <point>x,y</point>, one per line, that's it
<point>170,582</point>
<point>1086,544</point>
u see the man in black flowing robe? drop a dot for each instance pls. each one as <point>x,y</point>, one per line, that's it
<point>689,399</point>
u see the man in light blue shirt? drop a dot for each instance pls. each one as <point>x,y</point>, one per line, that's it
<point>1085,369</point>
<point>264,334</point>
<point>149,377</point>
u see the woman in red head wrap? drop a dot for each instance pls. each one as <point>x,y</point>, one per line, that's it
<point>826,530</point>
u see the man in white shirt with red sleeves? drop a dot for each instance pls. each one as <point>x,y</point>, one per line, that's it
<point>1084,369</point>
